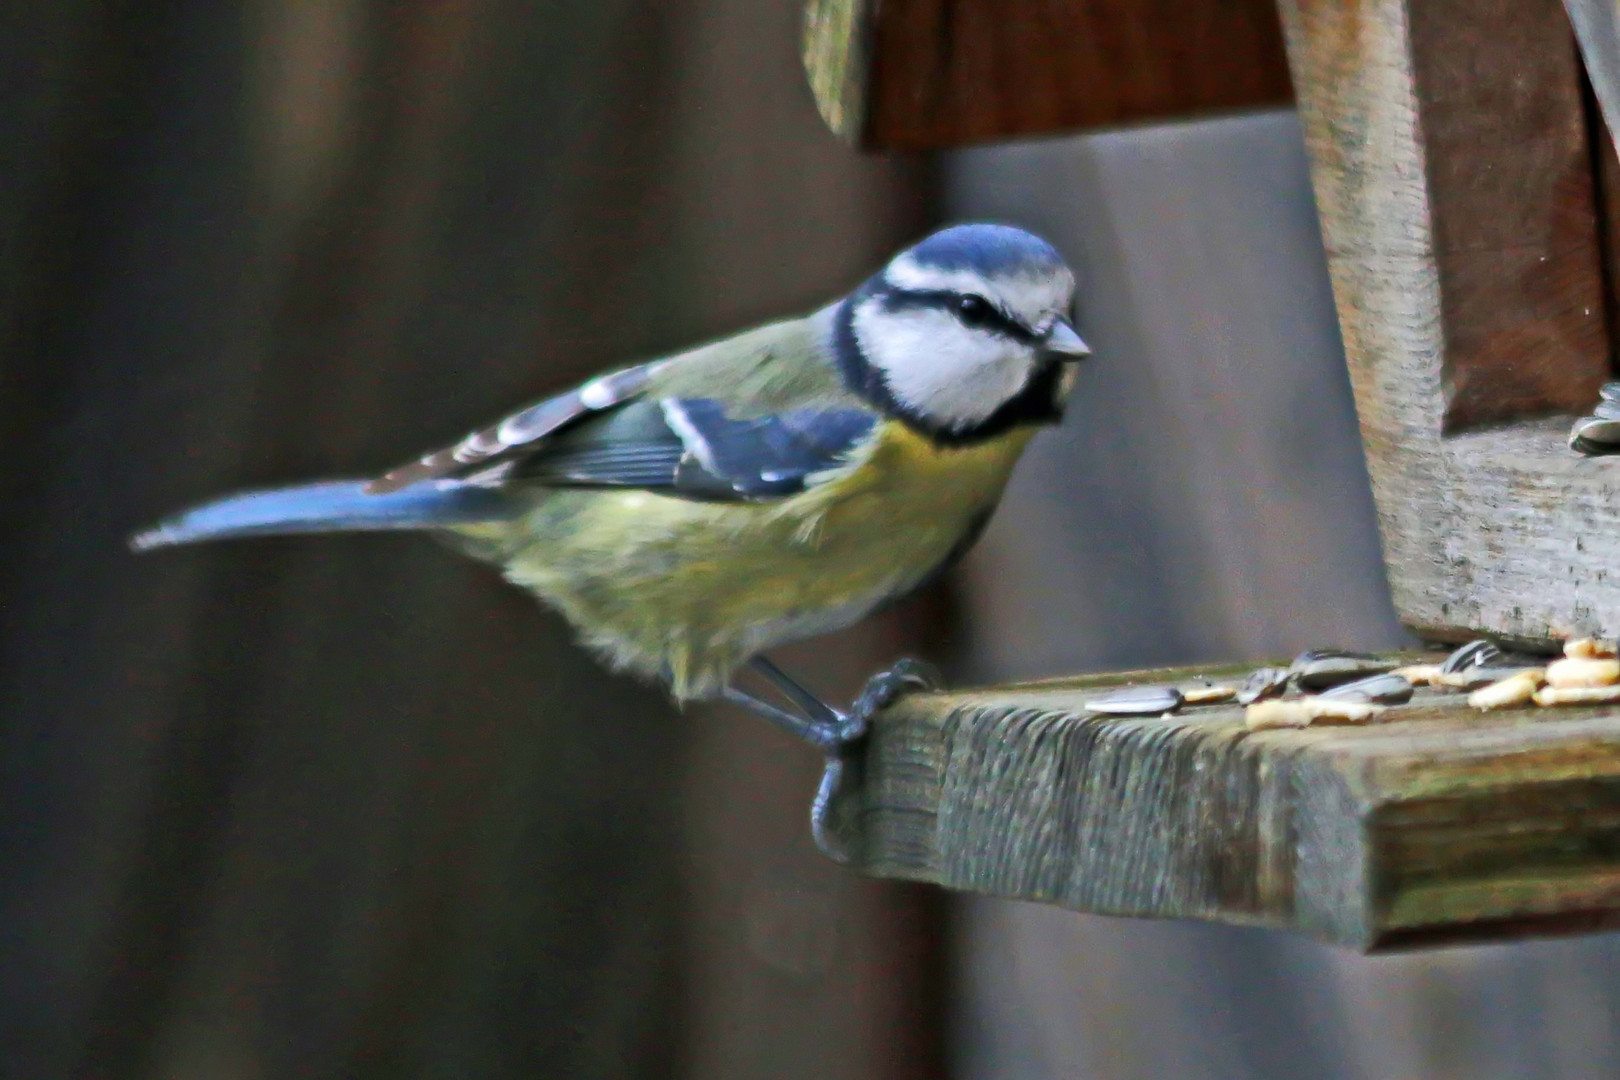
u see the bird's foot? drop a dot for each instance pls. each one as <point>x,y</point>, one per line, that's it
<point>837,734</point>
<point>887,687</point>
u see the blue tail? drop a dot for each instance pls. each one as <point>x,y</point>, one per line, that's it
<point>333,506</point>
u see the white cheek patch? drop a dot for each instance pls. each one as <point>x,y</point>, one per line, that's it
<point>939,368</point>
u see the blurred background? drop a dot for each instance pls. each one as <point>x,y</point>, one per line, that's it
<point>351,807</point>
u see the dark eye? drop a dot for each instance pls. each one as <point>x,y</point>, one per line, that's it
<point>973,310</point>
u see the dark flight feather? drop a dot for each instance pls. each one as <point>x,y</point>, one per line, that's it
<point>762,457</point>
<point>487,449</point>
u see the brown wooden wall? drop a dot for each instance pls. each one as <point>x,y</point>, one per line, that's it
<point>352,807</point>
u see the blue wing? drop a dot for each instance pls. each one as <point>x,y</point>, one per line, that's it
<point>689,447</point>
<point>759,457</point>
<point>685,447</point>
<point>488,454</point>
<point>611,432</point>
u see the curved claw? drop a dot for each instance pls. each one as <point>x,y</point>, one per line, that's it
<point>839,736</point>
<point>887,687</point>
<point>881,691</point>
<point>828,839</point>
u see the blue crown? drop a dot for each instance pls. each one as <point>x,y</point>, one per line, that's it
<point>987,249</point>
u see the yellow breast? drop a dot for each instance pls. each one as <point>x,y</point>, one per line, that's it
<point>692,589</point>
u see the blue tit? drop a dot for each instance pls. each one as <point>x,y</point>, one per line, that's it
<point>691,513</point>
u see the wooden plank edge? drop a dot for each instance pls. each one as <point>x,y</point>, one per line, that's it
<point>836,49</point>
<point>1288,830</point>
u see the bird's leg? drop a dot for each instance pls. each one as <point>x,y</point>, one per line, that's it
<point>817,732</point>
<point>835,733</point>
<point>821,712</point>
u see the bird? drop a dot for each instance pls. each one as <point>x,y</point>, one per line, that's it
<point>688,514</point>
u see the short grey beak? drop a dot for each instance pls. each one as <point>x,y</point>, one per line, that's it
<point>1064,343</point>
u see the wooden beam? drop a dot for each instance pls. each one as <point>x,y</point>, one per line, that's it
<point>1499,529</point>
<point>917,74</point>
<point>1501,138</point>
<point>1441,824</point>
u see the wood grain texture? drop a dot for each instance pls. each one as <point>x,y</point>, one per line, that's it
<point>355,808</point>
<point>1509,174</point>
<point>1608,212</point>
<point>1439,824</point>
<point>918,74</point>
<point>1500,530</point>
<point>836,34</point>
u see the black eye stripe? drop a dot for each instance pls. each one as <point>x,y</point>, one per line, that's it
<point>992,319</point>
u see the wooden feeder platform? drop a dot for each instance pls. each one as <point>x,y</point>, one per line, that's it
<point>1468,193</point>
<point>1437,823</point>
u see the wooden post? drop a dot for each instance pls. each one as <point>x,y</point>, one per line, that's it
<point>1466,297</point>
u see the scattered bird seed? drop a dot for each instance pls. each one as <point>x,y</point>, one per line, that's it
<point>1474,678</point>
<point>1587,648</point>
<point>1138,701</point>
<point>1319,669</point>
<point>1577,671</point>
<point>1262,683</point>
<point>1472,655</point>
<point>1517,689</point>
<point>1578,695</point>
<point>1595,435</point>
<point>1208,695</point>
<point>1386,689</point>
<point>1600,432</point>
<point>1419,674</point>
<point>1303,712</point>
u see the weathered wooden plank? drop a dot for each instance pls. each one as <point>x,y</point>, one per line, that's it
<point>1440,823</point>
<point>1495,529</point>
<point>926,73</point>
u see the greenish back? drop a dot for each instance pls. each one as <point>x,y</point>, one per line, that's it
<point>785,365</point>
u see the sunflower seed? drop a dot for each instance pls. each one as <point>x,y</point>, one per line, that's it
<point>1587,648</point>
<point>1262,683</point>
<point>1474,678</point>
<point>1595,435</point>
<point>1419,674</point>
<point>1472,655</point>
<point>1137,701</point>
<point>1505,693</point>
<point>1574,671</point>
<point>1303,712</point>
<point>1319,669</point>
<point>1577,695</point>
<point>1208,694</point>
<point>1387,689</point>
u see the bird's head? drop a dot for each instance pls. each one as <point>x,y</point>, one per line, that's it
<point>965,334</point>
